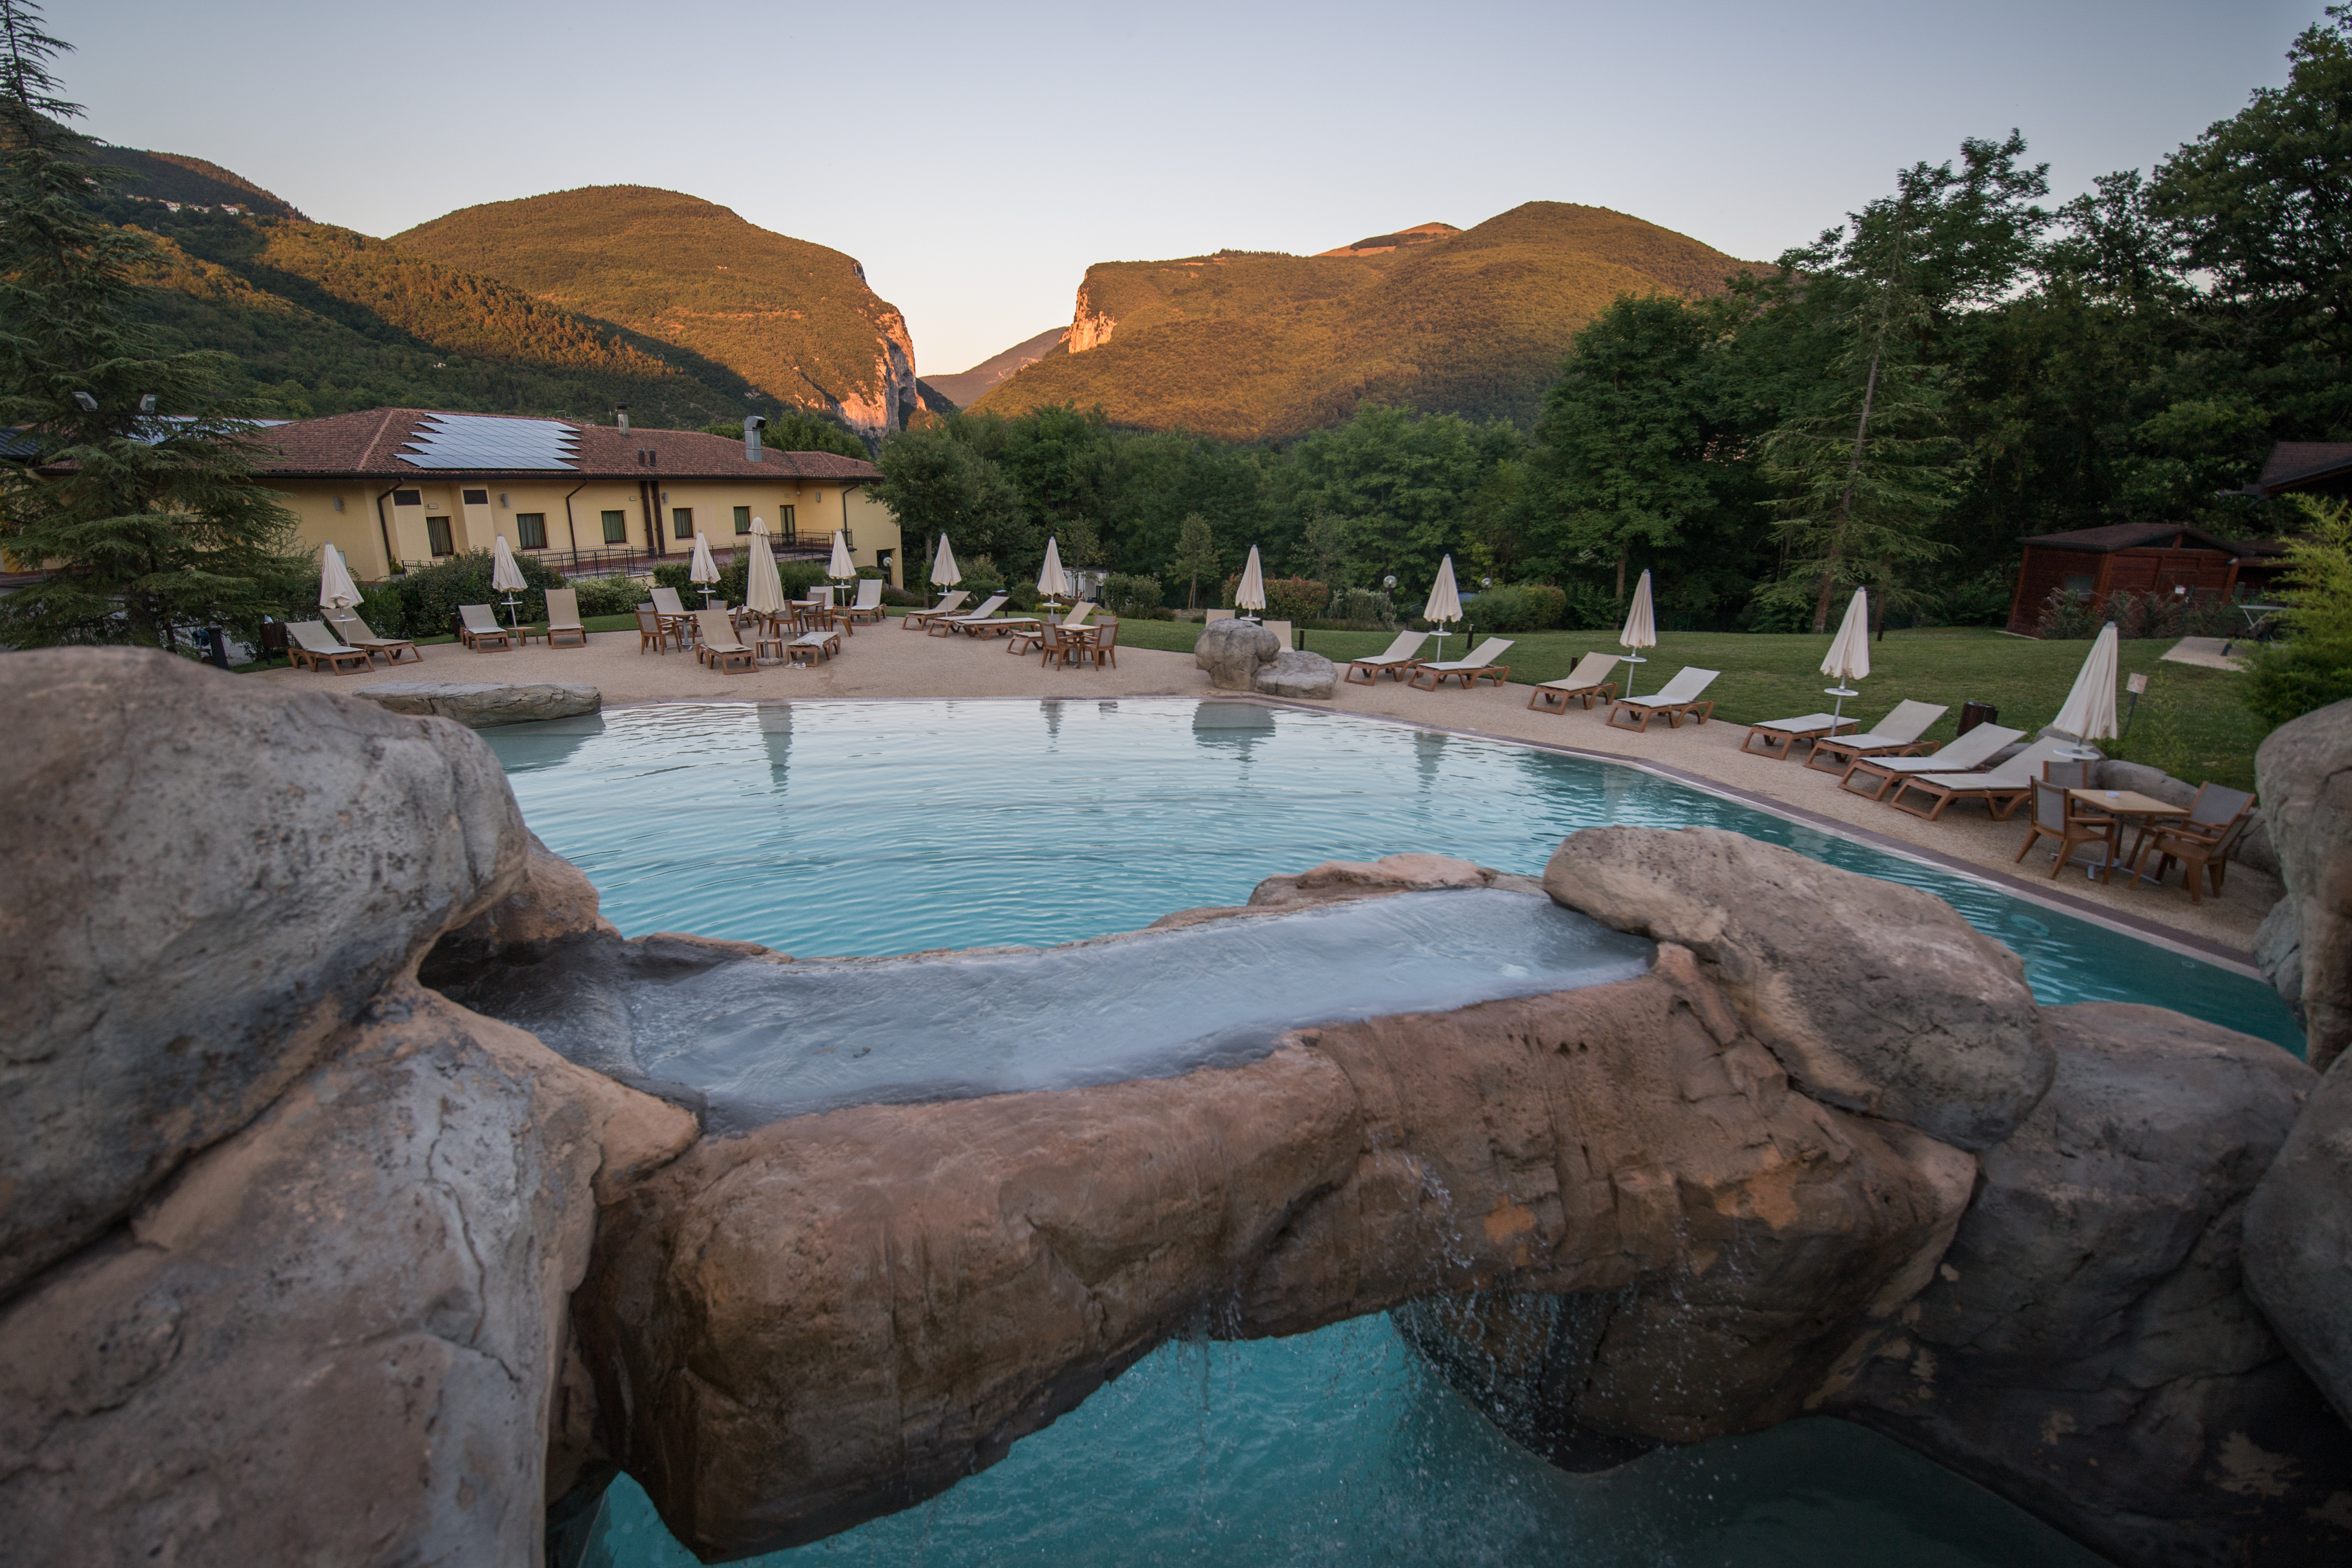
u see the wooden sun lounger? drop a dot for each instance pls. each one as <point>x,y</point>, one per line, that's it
<point>1780,735</point>
<point>1896,735</point>
<point>1401,658</point>
<point>1676,700</point>
<point>1971,751</point>
<point>478,627</point>
<point>1583,684</point>
<point>1481,664</point>
<point>313,642</point>
<point>813,647</point>
<point>356,632</point>
<point>564,618</point>
<point>717,645</point>
<point>2002,789</point>
<point>949,606</point>
<point>868,607</point>
<point>947,626</point>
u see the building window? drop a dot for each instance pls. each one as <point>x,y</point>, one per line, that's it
<point>681,523</point>
<point>784,522</point>
<point>408,498</point>
<point>743,520</point>
<point>478,498</point>
<point>616,528</point>
<point>530,527</point>
<point>2081,582</point>
<point>436,535</point>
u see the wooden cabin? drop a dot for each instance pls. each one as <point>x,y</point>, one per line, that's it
<point>2139,558</point>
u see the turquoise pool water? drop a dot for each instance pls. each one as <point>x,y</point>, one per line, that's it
<point>841,829</point>
<point>864,828</point>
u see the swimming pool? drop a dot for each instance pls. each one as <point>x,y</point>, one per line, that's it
<point>837,829</point>
<point>828,829</point>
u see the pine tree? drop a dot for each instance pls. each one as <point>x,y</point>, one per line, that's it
<point>138,494</point>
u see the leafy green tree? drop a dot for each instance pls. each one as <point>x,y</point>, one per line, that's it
<point>2314,667</point>
<point>1196,556</point>
<point>935,483</point>
<point>800,430</point>
<point>1399,482</point>
<point>1322,551</point>
<point>140,495</point>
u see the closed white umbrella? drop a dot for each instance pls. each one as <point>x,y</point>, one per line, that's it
<point>1641,629</point>
<point>763,587</point>
<point>841,566</point>
<point>1444,602</point>
<point>1849,656</point>
<point>2089,713</point>
<point>703,570</point>
<point>506,577</point>
<point>1052,581</point>
<point>1251,594</point>
<point>336,589</point>
<point>945,572</point>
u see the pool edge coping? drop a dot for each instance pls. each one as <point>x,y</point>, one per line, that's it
<point>2203,949</point>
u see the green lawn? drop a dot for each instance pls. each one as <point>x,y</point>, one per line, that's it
<point>2190,723</point>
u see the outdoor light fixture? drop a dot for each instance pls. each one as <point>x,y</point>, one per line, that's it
<point>1389,582</point>
<point>147,403</point>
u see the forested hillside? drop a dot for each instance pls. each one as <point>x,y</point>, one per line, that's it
<point>322,320</point>
<point>795,321</point>
<point>1245,346</point>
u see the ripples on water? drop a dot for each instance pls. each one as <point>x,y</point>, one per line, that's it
<point>835,829</point>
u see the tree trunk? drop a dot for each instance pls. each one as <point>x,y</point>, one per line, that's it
<point>1845,501</point>
<point>1620,574</point>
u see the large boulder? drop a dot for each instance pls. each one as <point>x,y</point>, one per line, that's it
<point>1294,673</point>
<point>485,704</point>
<point>334,1337</point>
<point>1231,650</point>
<point>2304,773</point>
<point>2086,1347</point>
<point>210,877</point>
<point>898,1293</point>
<point>1874,996</point>
<point>2299,1239</point>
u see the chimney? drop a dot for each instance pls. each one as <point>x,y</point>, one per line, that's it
<point>621,417</point>
<point>752,424</point>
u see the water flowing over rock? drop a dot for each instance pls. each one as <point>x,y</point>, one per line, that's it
<point>1874,995</point>
<point>2304,773</point>
<point>481,704</point>
<point>1232,650</point>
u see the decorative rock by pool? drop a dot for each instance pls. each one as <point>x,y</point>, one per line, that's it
<point>312,1262</point>
<point>1232,650</point>
<point>481,704</point>
<point>1297,673</point>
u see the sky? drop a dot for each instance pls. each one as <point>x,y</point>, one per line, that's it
<point>978,159</point>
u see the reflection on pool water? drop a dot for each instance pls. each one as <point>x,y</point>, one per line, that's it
<point>863,828</point>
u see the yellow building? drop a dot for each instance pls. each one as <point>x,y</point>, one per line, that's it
<point>393,488</point>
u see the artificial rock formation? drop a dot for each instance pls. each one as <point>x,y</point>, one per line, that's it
<point>1297,673</point>
<point>2299,1240</point>
<point>289,1240</point>
<point>2304,770</point>
<point>1232,649</point>
<point>484,704</point>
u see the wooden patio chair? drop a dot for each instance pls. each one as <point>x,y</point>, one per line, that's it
<point>1103,645</point>
<point>564,618</point>
<point>2202,841</point>
<point>868,608</point>
<point>479,625</point>
<point>655,633</point>
<point>1585,684</point>
<point>2057,814</point>
<point>718,645</point>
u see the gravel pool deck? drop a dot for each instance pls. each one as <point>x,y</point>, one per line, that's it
<point>884,662</point>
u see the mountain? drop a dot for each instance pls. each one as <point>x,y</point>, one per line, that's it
<point>1251,345</point>
<point>966,387</point>
<point>176,178</point>
<point>322,319</point>
<point>1381,244</point>
<point>795,320</point>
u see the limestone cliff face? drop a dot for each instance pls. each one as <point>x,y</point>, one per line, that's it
<point>1090,326</point>
<point>882,403</point>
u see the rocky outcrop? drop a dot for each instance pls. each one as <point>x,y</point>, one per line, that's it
<point>2305,771</point>
<point>1926,1022</point>
<point>1232,651</point>
<point>1294,673</point>
<point>898,1293</point>
<point>289,1240</point>
<point>209,880</point>
<point>1089,328</point>
<point>484,704</point>
<point>2299,1239</point>
<point>2086,1348</point>
<point>548,899</point>
<point>1337,880</point>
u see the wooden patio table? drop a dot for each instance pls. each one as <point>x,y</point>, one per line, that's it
<point>2145,811</point>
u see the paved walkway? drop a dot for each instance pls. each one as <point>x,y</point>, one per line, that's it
<point>883,662</point>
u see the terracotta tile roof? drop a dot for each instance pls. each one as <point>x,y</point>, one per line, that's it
<point>367,446</point>
<point>2293,463</point>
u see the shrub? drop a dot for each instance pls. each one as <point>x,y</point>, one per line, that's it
<point>2290,679</point>
<point>1131,594</point>
<point>2065,616</point>
<point>1363,610</point>
<point>1979,601</point>
<point>1298,599</point>
<point>1588,607</point>
<point>1524,607</point>
<point>421,603</point>
<point>1024,597</point>
<point>609,596</point>
<point>904,598</point>
<point>672,575</point>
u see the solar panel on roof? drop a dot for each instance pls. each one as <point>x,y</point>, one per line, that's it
<point>473,441</point>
